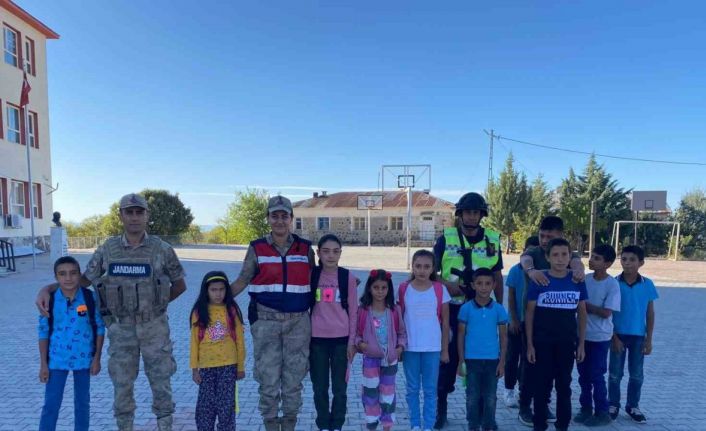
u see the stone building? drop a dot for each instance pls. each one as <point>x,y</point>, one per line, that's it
<point>338,213</point>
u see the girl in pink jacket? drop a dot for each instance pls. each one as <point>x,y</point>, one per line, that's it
<point>381,338</point>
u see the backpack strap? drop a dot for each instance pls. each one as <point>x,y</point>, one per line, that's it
<point>343,276</point>
<point>396,320</point>
<point>439,292</point>
<point>362,316</point>
<point>51,321</point>
<point>314,283</point>
<point>400,294</point>
<point>91,305</point>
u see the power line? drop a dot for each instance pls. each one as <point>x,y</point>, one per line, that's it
<point>669,162</point>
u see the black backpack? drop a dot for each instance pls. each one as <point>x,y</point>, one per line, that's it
<point>343,275</point>
<point>90,304</point>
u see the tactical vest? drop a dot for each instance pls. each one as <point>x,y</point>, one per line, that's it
<point>134,287</point>
<point>483,254</point>
<point>282,282</point>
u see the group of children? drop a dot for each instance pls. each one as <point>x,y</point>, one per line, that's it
<point>564,321</point>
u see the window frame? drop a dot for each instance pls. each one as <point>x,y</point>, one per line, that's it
<point>18,45</point>
<point>393,219</point>
<point>10,130</point>
<point>36,205</point>
<point>13,196</point>
<point>298,223</point>
<point>328,223</point>
<point>361,225</point>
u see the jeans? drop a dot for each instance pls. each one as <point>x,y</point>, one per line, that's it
<point>421,369</point>
<point>329,355</point>
<point>592,370</point>
<point>633,351</point>
<point>482,385</point>
<point>54,394</point>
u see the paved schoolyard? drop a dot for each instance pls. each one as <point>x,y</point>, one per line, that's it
<point>672,399</point>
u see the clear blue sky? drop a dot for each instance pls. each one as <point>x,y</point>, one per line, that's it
<point>203,98</point>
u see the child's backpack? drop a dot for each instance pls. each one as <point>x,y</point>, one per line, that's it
<point>363,315</point>
<point>90,304</point>
<point>232,314</point>
<point>343,275</point>
<point>438,291</point>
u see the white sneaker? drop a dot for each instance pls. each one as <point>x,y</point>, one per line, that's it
<point>511,398</point>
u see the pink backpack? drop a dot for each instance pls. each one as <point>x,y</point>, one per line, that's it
<point>363,315</point>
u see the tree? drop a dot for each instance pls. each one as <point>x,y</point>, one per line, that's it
<point>193,235</point>
<point>168,215</point>
<point>506,198</point>
<point>245,219</point>
<point>540,204</point>
<point>692,216</point>
<point>575,196</point>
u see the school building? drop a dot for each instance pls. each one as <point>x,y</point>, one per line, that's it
<point>24,40</point>
<point>338,213</point>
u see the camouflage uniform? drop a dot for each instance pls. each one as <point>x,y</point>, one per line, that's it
<point>281,347</point>
<point>134,286</point>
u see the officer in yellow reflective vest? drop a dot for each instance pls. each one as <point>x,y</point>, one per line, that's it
<point>460,251</point>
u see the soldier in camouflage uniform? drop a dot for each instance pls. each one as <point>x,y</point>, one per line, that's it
<point>277,269</point>
<point>136,276</point>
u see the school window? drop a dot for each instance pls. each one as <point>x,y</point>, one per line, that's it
<point>323,223</point>
<point>10,46</point>
<point>29,56</point>
<point>13,124</point>
<point>17,198</point>
<point>32,130</point>
<point>359,223</point>
<point>396,223</point>
<point>298,223</point>
<point>36,200</point>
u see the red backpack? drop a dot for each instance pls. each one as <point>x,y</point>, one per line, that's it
<point>438,291</point>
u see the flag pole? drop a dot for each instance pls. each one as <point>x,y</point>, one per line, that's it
<point>25,99</point>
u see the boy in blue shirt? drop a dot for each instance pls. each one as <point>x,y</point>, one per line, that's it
<point>516,362</point>
<point>482,340</point>
<point>70,339</point>
<point>632,332</point>
<point>552,328</point>
<point>603,301</point>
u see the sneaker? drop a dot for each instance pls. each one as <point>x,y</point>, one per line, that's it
<point>551,417</point>
<point>583,414</point>
<point>613,412</point>
<point>525,417</point>
<point>636,415</point>
<point>511,398</point>
<point>600,419</point>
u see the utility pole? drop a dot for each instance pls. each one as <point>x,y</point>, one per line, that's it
<point>490,156</point>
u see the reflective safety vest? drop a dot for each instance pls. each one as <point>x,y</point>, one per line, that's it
<point>282,282</point>
<point>483,254</point>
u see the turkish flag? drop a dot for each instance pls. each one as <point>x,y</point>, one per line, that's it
<point>24,96</point>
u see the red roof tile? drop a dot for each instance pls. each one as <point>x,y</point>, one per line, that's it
<point>390,199</point>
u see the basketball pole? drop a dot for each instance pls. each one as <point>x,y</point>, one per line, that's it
<point>368,227</point>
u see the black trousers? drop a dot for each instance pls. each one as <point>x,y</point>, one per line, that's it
<point>447,372</point>
<point>513,362</point>
<point>554,362</point>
